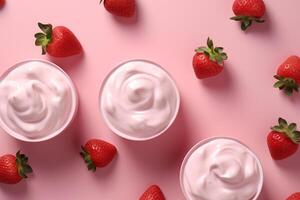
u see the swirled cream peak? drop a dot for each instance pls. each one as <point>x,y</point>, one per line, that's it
<point>139,99</point>
<point>222,169</point>
<point>36,99</point>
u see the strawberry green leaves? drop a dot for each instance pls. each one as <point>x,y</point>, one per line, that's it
<point>23,167</point>
<point>247,21</point>
<point>215,54</point>
<point>43,38</point>
<point>87,159</point>
<point>290,130</point>
<point>288,85</point>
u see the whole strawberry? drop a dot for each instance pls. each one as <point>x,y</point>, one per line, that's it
<point>247,11</point>
<point>13,168</point>
<point>283,140</point>
<point>288,75</point>
<point>121,8</point>
<point>153,193</point>
<point>208,61</point>
<point>97,153</point>
<point>57,42</point>
<point>295,196</point>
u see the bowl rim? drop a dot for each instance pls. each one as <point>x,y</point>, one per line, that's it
<point>207,140</point>
<point>74,107</point>
<point>124,135</point>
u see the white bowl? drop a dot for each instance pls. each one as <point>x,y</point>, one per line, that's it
<point>205,141</point>
<point>124,134</point>
<point>66,123</point>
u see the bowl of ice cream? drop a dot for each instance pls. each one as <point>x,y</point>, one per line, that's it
<point>139,100</point>
<point>221,168</point>
<point>38,100</point>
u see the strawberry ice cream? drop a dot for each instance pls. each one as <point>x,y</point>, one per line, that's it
<point>139,100</point>
<point>37,100</point>
<point>221,168</point>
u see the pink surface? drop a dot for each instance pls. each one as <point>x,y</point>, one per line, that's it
<point>240,103</point>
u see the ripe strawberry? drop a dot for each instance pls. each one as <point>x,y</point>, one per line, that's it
<point>208,61</point>
<point>295,196</point>
<point>247,11</point>
<point>57,42</point>
<point>97,153</point>
<point>13,168</point>
<point>283,140</point>
<point>153,193</point>
<point>288,75</point>
<point>121,8</point>
<point>2,2</point>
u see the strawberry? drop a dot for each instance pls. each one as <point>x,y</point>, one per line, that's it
<point>13,168</point>
<point>153,193</point>
<point>283,140</point>
<point>295,196</point>
<point>97,153</point>
<point>247,11</point>
<point>121,8</point>
<point>288,75</point>
<point>2,2</point>
<point>57,42</point>
<point>208,61</point>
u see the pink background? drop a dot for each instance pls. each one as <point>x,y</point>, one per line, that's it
<point>239,103</point>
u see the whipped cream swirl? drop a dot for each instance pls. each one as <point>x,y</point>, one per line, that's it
<point>139,99</point>
<point>36,99</point>
<point>222,169</point>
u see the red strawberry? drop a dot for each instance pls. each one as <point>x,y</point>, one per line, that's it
<point>121,8</point>
<point>153,193</point>
<point>13,168</point>
<point>247,11</point>
<point>208,61</point>
<point>284,140</point>
<point>57,42</point>
<point>295,196</point>
<point>2,2</point>
<point>288,75</point>
<point>97,153</point>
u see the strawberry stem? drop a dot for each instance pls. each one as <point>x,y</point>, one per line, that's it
<point>246,21</point>
<point>43,38</point>
<point>87,159</point>
<point>23,167</point>
<point>215,54</point>
<point>288,85</point>
<point>290,130</point>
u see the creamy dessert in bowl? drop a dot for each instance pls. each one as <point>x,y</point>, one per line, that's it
<point>139,100</point>
<point>37,100</point>
<point>221,168</point>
